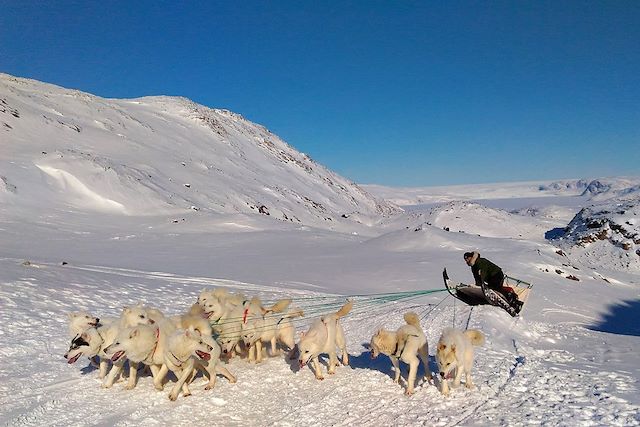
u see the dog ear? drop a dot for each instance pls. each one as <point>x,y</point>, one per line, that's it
<point>126,309</point>
<point>134,333</point>
<point>453,348</point>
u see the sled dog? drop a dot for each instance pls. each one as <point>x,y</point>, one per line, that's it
<point>89,343</point>
<point>130,317</point>
<point>141,344</point>
<point>272,326</point>
<point>408,344</point>
<point>322,337</point>
<point>226,321</point>
<point>455,354</point>
<point>184,349</point>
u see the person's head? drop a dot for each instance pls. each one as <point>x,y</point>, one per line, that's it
<point>468,256</point>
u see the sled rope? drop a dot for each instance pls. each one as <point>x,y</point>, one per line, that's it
<point>323,305</point>
<point>424,316</point>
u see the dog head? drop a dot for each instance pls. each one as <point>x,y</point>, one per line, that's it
<point>134,342</point>
<point>213,308</point>
<point>136,315</point>
<point>309,346</point>
<point>251,331</point>
<point>206,295</point>
<point>382,342</point>
<point>446,358</point>
<point>229,337</point>
<point>79,321</point>
<point>79,344</point>
<point>228,343</point>
<point>196,344</point>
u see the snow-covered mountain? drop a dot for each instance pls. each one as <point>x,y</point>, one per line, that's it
<point>67,149</point>
<point>596,189</point>
<point>608,233</point>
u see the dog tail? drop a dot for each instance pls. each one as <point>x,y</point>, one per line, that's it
<point>293,312</point>
<point>279,306</point>
<point>412,319</point>
<point>345,309</point>
<point>475,336</point>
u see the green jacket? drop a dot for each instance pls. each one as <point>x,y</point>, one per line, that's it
<point>483,270</point>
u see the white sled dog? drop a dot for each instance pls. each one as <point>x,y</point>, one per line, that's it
<point>322,337</point>
<point>406,344</point>
<point>90,343</point>
<point>270,325</point>
<point>141,344</point>
<point>455,354</point>
<point>185,350</point>
<point>130,316</point>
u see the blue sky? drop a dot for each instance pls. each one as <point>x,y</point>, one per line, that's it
<point>398,93</point>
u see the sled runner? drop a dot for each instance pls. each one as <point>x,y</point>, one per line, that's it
<point>512,298</point>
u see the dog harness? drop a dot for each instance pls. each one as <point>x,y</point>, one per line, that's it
<point>155,346</point>
<point>180,362</point>
<point>399,355</point>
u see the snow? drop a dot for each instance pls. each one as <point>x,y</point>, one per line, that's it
<point>569,359</point>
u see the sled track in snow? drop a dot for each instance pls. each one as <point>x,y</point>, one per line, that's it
<point>519,362</point>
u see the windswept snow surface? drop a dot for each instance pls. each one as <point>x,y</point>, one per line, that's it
<point>96,238</point>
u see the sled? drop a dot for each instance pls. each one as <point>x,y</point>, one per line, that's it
<point>472,294</point>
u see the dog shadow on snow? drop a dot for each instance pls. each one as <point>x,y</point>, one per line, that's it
<point>383,364</point>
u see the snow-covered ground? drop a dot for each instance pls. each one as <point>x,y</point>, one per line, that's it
<point>571,358</point>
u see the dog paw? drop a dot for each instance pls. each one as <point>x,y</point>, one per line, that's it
<point>172,397</point>
<point>233,380</point>
<point>129,387</point>
<point>409,392</point>
<point>187,394</point>
<point>470,386</point>
<point>319,378</point>
<point>158,387</point>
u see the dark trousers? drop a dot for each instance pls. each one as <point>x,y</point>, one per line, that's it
<point>495,281</point>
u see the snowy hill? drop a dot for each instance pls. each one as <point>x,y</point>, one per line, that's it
<point>69,149</point>
<point>467,217</point>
